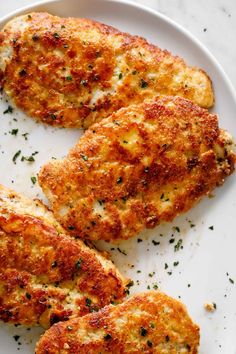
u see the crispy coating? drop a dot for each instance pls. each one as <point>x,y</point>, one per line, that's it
<point>45,275</point>
<point>74,72</point>
<point>143,165</point>
<point>150,322</point>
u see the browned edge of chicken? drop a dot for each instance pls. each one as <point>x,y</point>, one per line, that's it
<point>46,276</point>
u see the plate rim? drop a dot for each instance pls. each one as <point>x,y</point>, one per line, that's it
<point>151,11</point>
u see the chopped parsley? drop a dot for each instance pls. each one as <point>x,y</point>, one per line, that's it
<point>119,180</point>
<point>143,332</point>
<point>25,136</point>
<point>28,158</point>
<point>14,131</point>
<point>22,73</point>
<point>120,76</point>
<point>155,243</point>
<point>35,37</point>
<point>84,82</point>
<point>231,280</point>
<point>149,343</point>
<point>131,283</point>
<point>69,78</point>
<point>78,264</point>
<point>88,302</point>
<point>17,154</point>
<point>107,336</point>
<point>28,296</point>
<point>70,227</point>
<point>143,83</point>
<point>178,245</point>
<point>33,179</point>
<point>84,157</point>
<point>151,274</point>
<point>175,264</point>
<point>54,264</point>
<point>8,110</point>
<point>53,116</point>
<point>122,252</point>
<point>56,35</point>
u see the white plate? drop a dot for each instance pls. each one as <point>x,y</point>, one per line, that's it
<point>208,255</point>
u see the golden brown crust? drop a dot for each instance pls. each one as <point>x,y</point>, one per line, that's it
<point>143,165</point>
<point>45,275</point>
<point>147,323</point>
<point>74,72</point>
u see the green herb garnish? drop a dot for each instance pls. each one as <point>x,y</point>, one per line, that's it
<point>33,179</point>
<point>17,154</point>
<point>143,83</point>
<point>8,110</point>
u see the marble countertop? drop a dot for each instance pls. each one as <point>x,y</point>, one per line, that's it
<point>213,22</point>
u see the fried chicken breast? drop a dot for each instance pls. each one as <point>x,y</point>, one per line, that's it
<point>142,165</point>
<point>150,322</point>
<point>45,275</point>
<point>74,72</point>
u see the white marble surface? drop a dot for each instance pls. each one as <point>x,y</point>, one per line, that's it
<point>213,22</point>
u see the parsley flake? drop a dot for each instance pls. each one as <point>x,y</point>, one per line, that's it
<point>17,154</point>
<point>84,157</point>
<point>33,179</point>
<point>78,264</point>
<point>56,35</point>
<point>8,110</point>
<point>107,336</point>
<point>178,245</point>
<point>143,332</point>
<point>143,83</point>
<point>14,131</point>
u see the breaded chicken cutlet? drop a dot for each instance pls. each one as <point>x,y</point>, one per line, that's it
<point>150,322</point>
<point>142,165</point>
<point>45,275</point>
<point>74,72</point>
